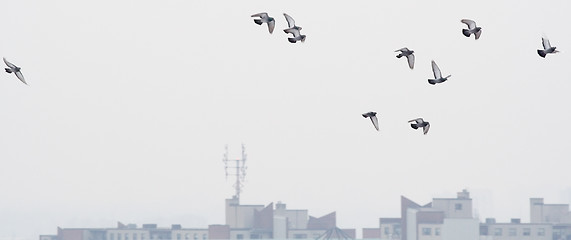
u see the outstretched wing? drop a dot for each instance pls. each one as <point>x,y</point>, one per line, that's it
<point>478,33</point>
<point>426,128</point>
<point>21,77</point>
<point>290,21</point>
<point>436,70</point>
<point>9,64</point>
<point>545,41</point>
<point>262,15</point>
<point>410,59</point>
<point>271,26</point>
<point>417,120</point>
<point>471,24</point>
<point>375,121</point>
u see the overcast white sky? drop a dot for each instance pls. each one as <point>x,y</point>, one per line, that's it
<point>130,104</point>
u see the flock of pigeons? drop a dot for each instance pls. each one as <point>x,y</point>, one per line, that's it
<point>472,29</point>
<point>404,52</point>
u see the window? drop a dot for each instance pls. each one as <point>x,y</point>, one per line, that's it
<point>387,230</point>
<point>497,232</point>
<point>436,231</point>
<point>300,236</point>
<point>254,236</point>
<point>142,236</point>
<point>513,232</point>
<point>526,232</point>
<point>427,231</point>
<point>541,232</point>
<point>134,236</point>
<point>118,236</point>
<point>195,237</point>
<point>204,237</point>
<point>126,236</point>
<point>186,236</point>
<point>111,236</point>
<point>178,236</point>
<point>458,206</point>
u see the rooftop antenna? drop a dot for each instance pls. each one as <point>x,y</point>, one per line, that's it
<point>238,170</point>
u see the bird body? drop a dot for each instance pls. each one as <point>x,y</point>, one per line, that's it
<point>293,29</point>
<point>14,69</point>
<point>373,117</point>
<point>437,75</point>
<point>547,48</point>
<point>472,29</point>
<point>265,18</point>
<point>420,123</point>
<point>409,54</point>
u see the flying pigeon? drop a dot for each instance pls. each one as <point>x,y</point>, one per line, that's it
<point>293,29</point>
<point>472,29</point>
<point>547,48</point>
<point>14,69</point>
<point>408,54</point>
<point>437,75</point>
<point>419,122</point>
<point>373,117</point>
<point>265,18</point>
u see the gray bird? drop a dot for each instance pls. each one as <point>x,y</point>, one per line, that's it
<point>437,75</point>
<point>265,18</point>
<point>408,54</point>
<point>373,117</point>
<point>14,69</point>
<point>472,28</point>
<point>547,48</point>
<point>293,29</point>
<point>420,123</point>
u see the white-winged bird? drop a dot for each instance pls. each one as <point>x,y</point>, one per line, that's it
<point>293,29</point>
<point>409,54</point>
<point>14,69</point>
<point>265,18</point>
<point>373,117</point>
<point>437,75</point>
<point>547,48</point>
<point>420,123</point>
<point>472,28</point>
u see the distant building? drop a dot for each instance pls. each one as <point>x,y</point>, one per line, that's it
<point>490,230</point>
<point>242,222</point>
<point>558,215</point>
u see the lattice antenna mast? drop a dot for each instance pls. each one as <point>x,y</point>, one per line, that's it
<point>239,167</point>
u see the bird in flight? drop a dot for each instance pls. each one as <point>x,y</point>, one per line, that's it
<point>420,123</point>
<point>472,28</point>
<point>437,75</point>
<point>293,29</point>
<point>547,48</point>
<point>409,54</point>
<point>14,69</point>
<point>373,117</point>
<point>265,18</point>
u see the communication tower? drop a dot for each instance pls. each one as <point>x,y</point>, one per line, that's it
<point>236,169</point>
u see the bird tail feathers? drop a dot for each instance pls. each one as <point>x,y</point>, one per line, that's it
<point>258,21</point>
<point>466,32</point>
<point>539,51</point>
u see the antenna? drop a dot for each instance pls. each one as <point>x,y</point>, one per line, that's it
<point>239,167</point>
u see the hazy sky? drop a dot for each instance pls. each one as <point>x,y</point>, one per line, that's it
<point>130,104</point>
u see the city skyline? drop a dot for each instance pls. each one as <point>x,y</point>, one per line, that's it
<point>129,104</point>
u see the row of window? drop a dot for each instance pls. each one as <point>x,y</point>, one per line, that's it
<point>514,232</point>
<point>428,231</point>
<point>125,236</point>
